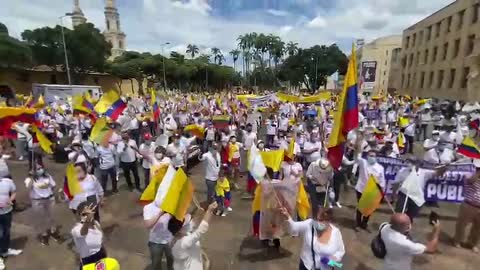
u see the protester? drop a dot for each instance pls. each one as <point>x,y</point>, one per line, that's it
<point>92,190</point>
<point>186,247</point>
<point>319,177</point>
<point>223,196</point>
<point>127,150</point>
<point>469,212</point>
<point>160,238</point>
<point>87,235</point>
<point>147,149</point>
<point>42,195</point>
<point>212,162</point>
<point>8,194</point>
<point>106,155</point>
<point>399,248</point>
<point>322,241</point>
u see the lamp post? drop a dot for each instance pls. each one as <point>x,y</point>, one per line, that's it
<point>164,73</point>
<point>65,47</point>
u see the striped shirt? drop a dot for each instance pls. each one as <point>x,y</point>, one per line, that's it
<point>472,192</point>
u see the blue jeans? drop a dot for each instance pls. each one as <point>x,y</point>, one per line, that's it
<point>156,253</point>
<point>5,225</point>
<point>104,174</point>
<point>210,190</point>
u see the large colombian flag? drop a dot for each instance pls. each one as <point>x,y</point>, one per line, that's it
<point>468,148</point>
<point>111,104</point>
<point>346,115</point>
<point>10,115</point>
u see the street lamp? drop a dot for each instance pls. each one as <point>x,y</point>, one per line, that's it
<point>65,47</point>
<point>164,74</point>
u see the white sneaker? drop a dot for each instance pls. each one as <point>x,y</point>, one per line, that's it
<point>224,214</point>
<point>330,206</point>
<point>20,159</point>
<point>229,209</point>
<point>339,205</point>
<point>12,252</point>
<point>2,264</point>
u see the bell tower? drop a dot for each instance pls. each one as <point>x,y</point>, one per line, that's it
<point>113,32</point>
<point>77,15</point>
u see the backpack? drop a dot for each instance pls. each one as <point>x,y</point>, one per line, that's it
<point>377,245</point>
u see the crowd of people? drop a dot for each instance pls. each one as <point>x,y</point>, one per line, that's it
<point>423,134</point>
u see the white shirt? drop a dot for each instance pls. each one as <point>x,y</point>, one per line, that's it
<point>7,186</point>
<point>410,130</point>
<point>106,156</point>
<point>187,252</point>
<point>365,170</point>
<point>271,127</point>
<point>89,149</point>
<point>210,134</point>
<point>436,157</point>
<point>40,188</point>
<point>88,244</point>
<point>147,150</point>
<point>126,152</point>
<point>400,250</point>
<point>334,247</point>
<point>177,153</point>
<point>283,124</point>
<point>249,139</point>
<point>314,156</point>
<point>212,165</point>
<point>159,233</point>
<point>414,182</point>
<point>90,187</point>
<point>81,158</point>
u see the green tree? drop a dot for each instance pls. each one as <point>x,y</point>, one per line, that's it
<point>13,52</point>
<point>46,45</point>
<point>192,50</point>
<point>291,48</point>
<point>235,54</point>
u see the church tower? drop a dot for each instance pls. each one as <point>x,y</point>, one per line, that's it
<point>113,33</point>
<point>77,14</point>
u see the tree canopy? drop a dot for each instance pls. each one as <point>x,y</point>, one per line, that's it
<point>13,52</point>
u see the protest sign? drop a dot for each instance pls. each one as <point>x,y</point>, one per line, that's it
<point>371,114</point>
<point>448,187</point>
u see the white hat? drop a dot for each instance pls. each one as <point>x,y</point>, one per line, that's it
<point>324,163</point>
<point>429,144</point>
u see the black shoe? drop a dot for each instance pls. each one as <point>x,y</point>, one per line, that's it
<point>55,235</point>
<point>44,240</point>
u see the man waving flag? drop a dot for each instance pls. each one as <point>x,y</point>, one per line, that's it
<point>346,115</point>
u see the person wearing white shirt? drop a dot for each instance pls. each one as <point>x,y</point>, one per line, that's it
<point>77,155</point>
<point>290,170</point>
<point>106,156</point>
<point>366,168</point>
<point>146,150</point>
<point>7,197</point>
<point>283,123</point>
<point>91,190</point>
<point>322,242</point>
<point>177,151</point>
<point>399,248</point>
<point>312,149</point>
<point>431,143</point>
<point>319,176</point>
<point>271,130</point>
<point>134,129</point>
<point>160,238</point>
<point>411,195</point>
<point>249,137</point>
<point>22,137</point>
<point>425,119</point>
<point>41,190</point>
<point>186,250</point>
<point>213,164</point>
<point>439,155</point>
<point>409,133</point>
<point>87,235</point>
<point>127,149</point>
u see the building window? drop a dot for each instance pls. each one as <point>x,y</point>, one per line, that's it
<point>435,51</point>
<point>452,78</point>
<point>418,58</point>
<point>108,25</point>
<point>407,42</point>
<point>476,11</point>
<point>445,51</point>
<point>120,44</point>
<point>470,44</point>
<point>53,79</point>
<point>420,38</point>
<point>430,79</point>
<point>449,24</point>
<point>456,48</point>
<point>410,62</point>
<point>425,58</point>
<point>383,82</point>
<point>438,26</point>
<point>440,79</point>
<point>404,61</point>
<point>422,80</point>
<point>461,15</point>
<point>386,62</point>
<point>429,32</point>
<point>414,39</point>
<point>466,71</point>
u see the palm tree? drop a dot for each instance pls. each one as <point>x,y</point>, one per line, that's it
<point>177,57</point>
<point>217,54</point>
<point>192,49</point>
<point>292,48</point>
<point>235,54</point>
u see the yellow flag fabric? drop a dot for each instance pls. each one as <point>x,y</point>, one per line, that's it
<point>179,196</point>
<point>72,186</point>
<point>40,103</point>
<point>308,99</point>
<point>303,204</point>
<point>403,122</point>
<point>106,101</point>
<point>43,141</point>
<point>103,264</point>
<point>100,132</point>
<point>89,98</point>
<point>273,159</point>
<point>257,200</point>
<point>371,197</point>
<point>291,149</point>
<point>156,178</point>
<point>195,130</point>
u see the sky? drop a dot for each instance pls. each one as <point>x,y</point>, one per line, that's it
<point>218,23</point>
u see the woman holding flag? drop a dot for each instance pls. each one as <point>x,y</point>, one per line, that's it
<point>90,189</point>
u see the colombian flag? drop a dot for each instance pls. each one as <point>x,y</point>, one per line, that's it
<point>156,178</point>
<point>195,130</point>
<point>111,104</point>
<point>221,121</point>
<point>43,141</point>
<point>346,116</point>
<point>10,115</point>
<point>71,186</point>
<point>371,197</point>
<point>179,195</point>
<point>468,148</point>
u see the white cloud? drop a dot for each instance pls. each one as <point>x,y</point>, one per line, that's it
<point>278,13</point>
<point>317,22</point>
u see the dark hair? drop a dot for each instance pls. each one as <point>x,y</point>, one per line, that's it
<point>325,214</point>
<point>174,225</point>
<point>82,165</point>
<point>160,149</point>
<point>82,206</point>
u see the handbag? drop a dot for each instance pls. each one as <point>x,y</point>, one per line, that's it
<point>377,245</point>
